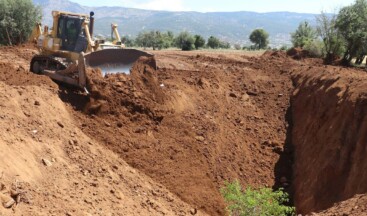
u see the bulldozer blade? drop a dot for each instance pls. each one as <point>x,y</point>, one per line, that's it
<point>114,60</point>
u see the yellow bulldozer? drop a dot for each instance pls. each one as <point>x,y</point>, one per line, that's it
<point>69,48</point>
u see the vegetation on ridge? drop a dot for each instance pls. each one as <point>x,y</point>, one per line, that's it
<point>255,202</point>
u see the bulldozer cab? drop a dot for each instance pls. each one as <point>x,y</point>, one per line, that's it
<point>71,33</point>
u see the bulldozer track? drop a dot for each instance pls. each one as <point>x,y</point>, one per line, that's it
<point>49,62</point>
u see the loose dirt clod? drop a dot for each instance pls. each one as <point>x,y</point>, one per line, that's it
<point>6,201</point>
<point>46,162</point>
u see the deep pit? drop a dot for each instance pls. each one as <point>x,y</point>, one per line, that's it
<point>198,120</point>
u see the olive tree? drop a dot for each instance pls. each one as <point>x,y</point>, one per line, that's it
<point>145,39</point>
<point>199,41</point>
<point>127,41</point>
<point>17,19</point>
<point>260,38</point>
<point>351,23</point>
<point>303,35</point>
<point>331,37</point>
<point>213,42</point>
<point>185,41</point>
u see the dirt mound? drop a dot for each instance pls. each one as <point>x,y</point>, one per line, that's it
<point>355,206</point>
<point>59,170</point>
<point>14,67</point>
<point>128,95</point>
<point>298,53</point>
<point>277,54</point>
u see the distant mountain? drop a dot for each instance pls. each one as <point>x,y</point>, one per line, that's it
<point>234,27</point>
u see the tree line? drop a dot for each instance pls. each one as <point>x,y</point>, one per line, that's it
<point>343,34</point>
<point>186,41</point>
<point>158,40</point>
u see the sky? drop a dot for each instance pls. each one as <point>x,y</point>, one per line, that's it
<point>300,6</point>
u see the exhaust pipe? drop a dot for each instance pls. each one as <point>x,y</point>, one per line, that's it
<point>91,23</point>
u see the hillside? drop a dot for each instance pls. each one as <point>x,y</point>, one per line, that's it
<point>233,27</point>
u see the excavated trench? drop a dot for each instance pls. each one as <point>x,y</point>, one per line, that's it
<point>317,154</point>
<point>200,120</point>
<point>329,109</point>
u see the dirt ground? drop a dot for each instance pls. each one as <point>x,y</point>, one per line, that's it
<point>159,142</point>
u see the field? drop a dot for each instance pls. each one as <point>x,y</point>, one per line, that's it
<point>164,141</point>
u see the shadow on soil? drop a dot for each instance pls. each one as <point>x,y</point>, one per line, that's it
<point>283,169</point>
<point>73,96</point>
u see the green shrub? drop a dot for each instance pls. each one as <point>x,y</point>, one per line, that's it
<point>185,41</point>
<point>315,48</point>
<point>303,35</point>
<point>199,41</point>
<point>213,42</point>
<point>252,202</point>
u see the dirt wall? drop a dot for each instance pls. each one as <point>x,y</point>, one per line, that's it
<point>191,129</point>
<point>329,108</point>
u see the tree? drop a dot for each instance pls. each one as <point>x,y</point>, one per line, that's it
<point>251,202</point>
<point>185,41</point>
<point>199,41</point>
<point>224,45</point>
<point>169,39</point>
<point>303,35</point>
<point>155,39</point>
<point>145,39</point>
<point>17,19</point>
<point>159,40</point>
<point>213,42</point>
<point>127,41</point>
<point>260,38</point>
<point>331,37</point>
<point>351,23</point>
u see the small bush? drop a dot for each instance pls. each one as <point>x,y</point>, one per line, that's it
<point>252,202</point>
<point>314,48</point>
<point>213,42</point>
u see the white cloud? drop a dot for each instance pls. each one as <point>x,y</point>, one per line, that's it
<point>167,5</point>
